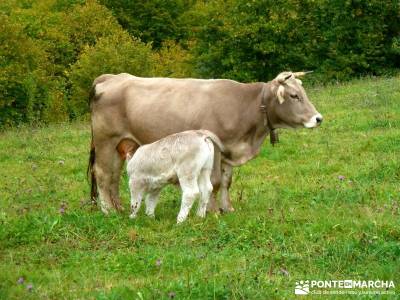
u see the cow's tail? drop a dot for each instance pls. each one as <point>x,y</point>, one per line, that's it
<point>215,139</point>
<point>90,173</point>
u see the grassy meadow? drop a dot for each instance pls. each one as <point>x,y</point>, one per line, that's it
<point>323,204</point>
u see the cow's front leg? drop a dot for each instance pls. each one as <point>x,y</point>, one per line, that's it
<point>226,180</point>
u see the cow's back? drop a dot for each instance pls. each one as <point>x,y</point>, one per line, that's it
<point>148,109</point>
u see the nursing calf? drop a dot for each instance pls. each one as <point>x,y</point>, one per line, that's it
<point>187,157</point>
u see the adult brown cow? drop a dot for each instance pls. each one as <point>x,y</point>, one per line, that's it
<point>125,108</point>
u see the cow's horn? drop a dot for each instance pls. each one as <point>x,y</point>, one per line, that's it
<point>299,74</point>
<point>284,76</point>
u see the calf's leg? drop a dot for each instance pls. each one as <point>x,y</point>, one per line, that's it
<point>136,200</point>
<point>190,191</point>
<point>151,202</point>
<point>206,188</point>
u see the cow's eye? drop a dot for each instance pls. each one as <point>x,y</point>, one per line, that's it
<point>294,96</point>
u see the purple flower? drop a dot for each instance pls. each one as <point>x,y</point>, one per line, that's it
<point>62,210</point>
<point>171,295</point>
<point>341,177</point>
<point>158,262</point>
<point>29,287</point>
<point>21,280</point>
<point>284,272</point>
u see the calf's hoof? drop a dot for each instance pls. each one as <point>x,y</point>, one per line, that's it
<point>180,220</point>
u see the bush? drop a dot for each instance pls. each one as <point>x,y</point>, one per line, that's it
<point>171,60</point>
<point>24,85</point>
<point>153,21</point>
<point>255,40</point>
<point>119,53</point>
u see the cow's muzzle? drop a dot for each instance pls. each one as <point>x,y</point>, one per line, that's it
<point>314,121</point>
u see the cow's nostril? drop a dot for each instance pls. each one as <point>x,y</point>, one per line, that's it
<point>319,120</point>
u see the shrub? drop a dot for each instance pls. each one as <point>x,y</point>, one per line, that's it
<point>255,40</point>
<point>23,84</point>
<point>119,53</point>
<point>171,60</point>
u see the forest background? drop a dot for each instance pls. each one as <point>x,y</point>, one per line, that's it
<point>51,50</point>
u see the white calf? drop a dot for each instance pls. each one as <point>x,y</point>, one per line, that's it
<point>186,157</point>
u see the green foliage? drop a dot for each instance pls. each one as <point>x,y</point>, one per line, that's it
<point>171,60</point>
<point>47,44</point>
<point>255,40</point>
<point>23,84</point>
<point>322,204</point>
<point>152,21</point>
<point>118,53</point>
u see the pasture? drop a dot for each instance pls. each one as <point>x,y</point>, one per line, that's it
<point>323,204</point>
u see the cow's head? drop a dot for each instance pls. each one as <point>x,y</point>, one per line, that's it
<point>289,105</point>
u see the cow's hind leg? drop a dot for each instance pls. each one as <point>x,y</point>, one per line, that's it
<point>117,164</point>
<point>124,148</point>
<point>216,175</point>
<point>106,167</point>
<point>206,188</point>
<point>226,180</point>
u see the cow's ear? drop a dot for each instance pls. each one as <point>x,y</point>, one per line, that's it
<point>280,94</point>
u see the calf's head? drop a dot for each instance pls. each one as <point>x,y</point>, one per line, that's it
<point>288,104</point>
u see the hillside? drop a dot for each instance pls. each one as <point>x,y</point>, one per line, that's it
<point>322,204</point>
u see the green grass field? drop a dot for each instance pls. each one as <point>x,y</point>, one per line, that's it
<point>324,204</point>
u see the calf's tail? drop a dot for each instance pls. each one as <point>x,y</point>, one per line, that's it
<point>214,138</point>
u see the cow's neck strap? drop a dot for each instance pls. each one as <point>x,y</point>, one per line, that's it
<point>273,133</point>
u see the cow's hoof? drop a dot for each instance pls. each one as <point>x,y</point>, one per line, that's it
<point>120,208</point>
<point>226,210</point>
<point>213,209</point>
<point>117,205</point>
<point>105,209</point>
